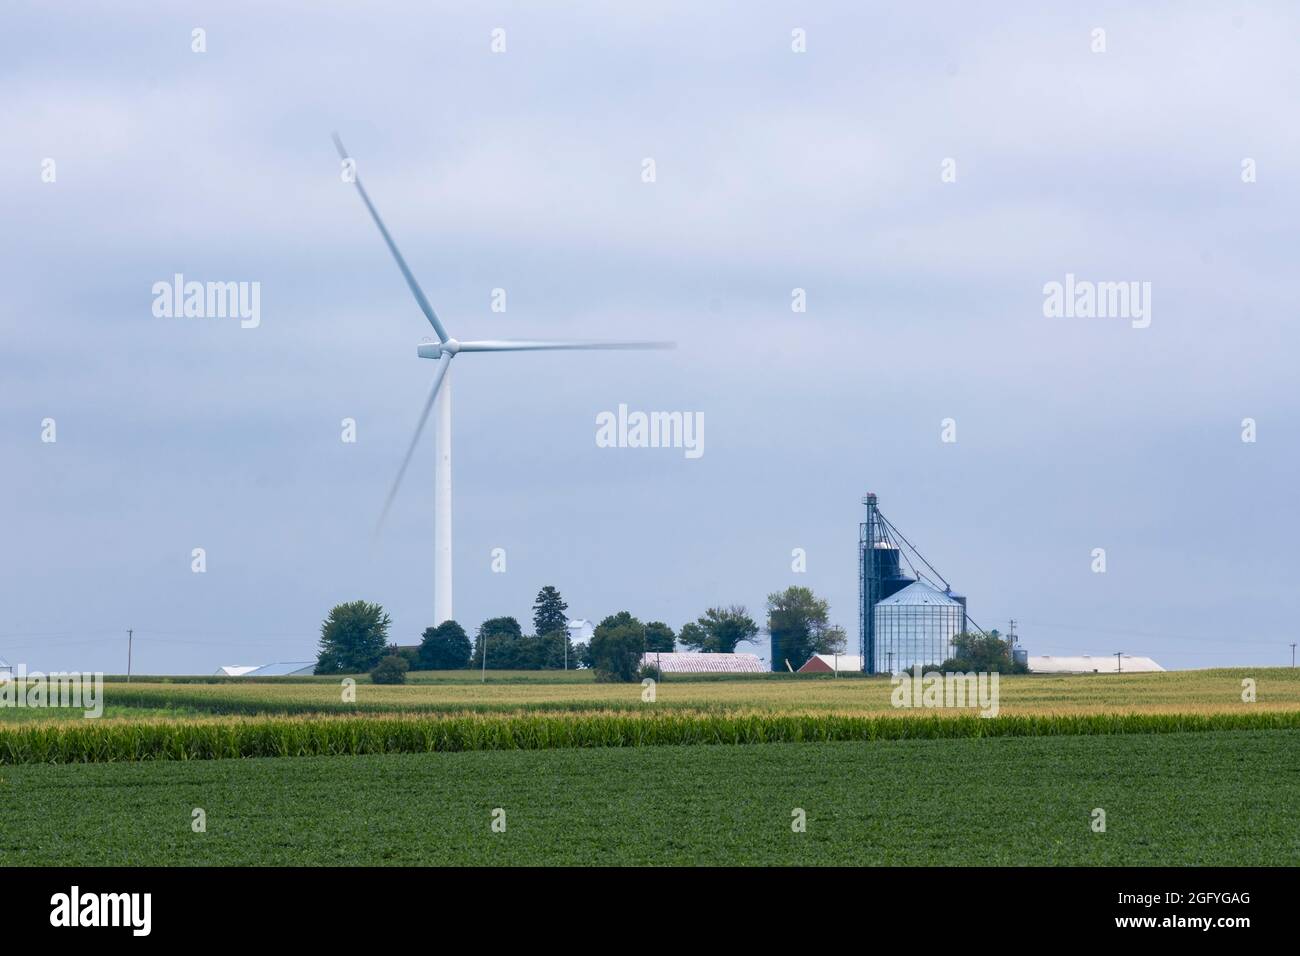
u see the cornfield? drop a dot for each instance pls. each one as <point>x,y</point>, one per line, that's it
<point>1174,692</point>
<point>103,741</point>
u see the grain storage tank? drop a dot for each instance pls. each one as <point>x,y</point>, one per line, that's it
<point>1020,655</point>
<point>916,626</point>
<point>892,578</point>
<point>960,599</point>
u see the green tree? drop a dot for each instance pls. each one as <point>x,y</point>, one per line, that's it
<point>832,640</point>
<point>617,646</point>
<point>444,648</point>
<point>982,652</point>
<point>659,637</point>
<point>353,638</point>
<point>390,670</point>
<point>549,615</point>
<point>693,636</point>
<point>524,653</point>
<point>550,650</point>
<point>409,654</point>
<point>502,637</point>
<point>797,619</point>
<point>718,630</point>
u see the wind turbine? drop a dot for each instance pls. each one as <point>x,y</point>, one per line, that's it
<point>443,352</point>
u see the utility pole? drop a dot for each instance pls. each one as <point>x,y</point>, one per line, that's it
<point>1011,632</point>
<point>1119,662</point>
<point>130,639</point>
<point>1293,653</point>
<point>485,658</point>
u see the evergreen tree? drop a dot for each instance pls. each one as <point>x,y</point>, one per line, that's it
<point>549,615</point>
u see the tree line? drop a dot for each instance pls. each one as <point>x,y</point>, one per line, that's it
<point>355,639</point>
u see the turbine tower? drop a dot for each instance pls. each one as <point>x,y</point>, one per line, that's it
<point>442,353</point>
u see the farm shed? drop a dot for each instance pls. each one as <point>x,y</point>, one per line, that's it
<point>284,669</point>
<point>830,663</point>
<point>1087,664</point>
<point>677,662</point>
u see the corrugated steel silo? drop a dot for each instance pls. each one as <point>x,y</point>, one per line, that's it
<point>915,626</point>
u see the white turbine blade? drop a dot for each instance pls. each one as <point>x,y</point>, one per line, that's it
<point>439,373</point>
<point>425,307</point>
<point>520,345</point>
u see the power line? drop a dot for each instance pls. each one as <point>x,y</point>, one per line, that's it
<point>1162,636</point>
<point>149,630</point>
<point>215,643</point>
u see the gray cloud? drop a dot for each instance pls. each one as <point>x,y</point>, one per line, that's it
<point>522,171</point>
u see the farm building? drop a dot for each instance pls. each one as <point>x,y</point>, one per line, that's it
<point>916,626</point>
<point>581,631</point>
<point>907,613</point>
<point>235,670</point>
<point>1086,664</point>
<point>284,669</point>
<point>831,663</point>
<point>676,662</point>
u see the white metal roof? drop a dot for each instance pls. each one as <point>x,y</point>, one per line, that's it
<point>916,593</point>
<point>285,669</point>
<point>280,669</point>
<point>679,662</point>
<point>1087,664</point>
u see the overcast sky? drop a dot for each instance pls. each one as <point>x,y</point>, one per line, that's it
<point>523,170</point>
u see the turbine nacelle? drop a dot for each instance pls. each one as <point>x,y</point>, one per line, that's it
<point>433,350</point>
